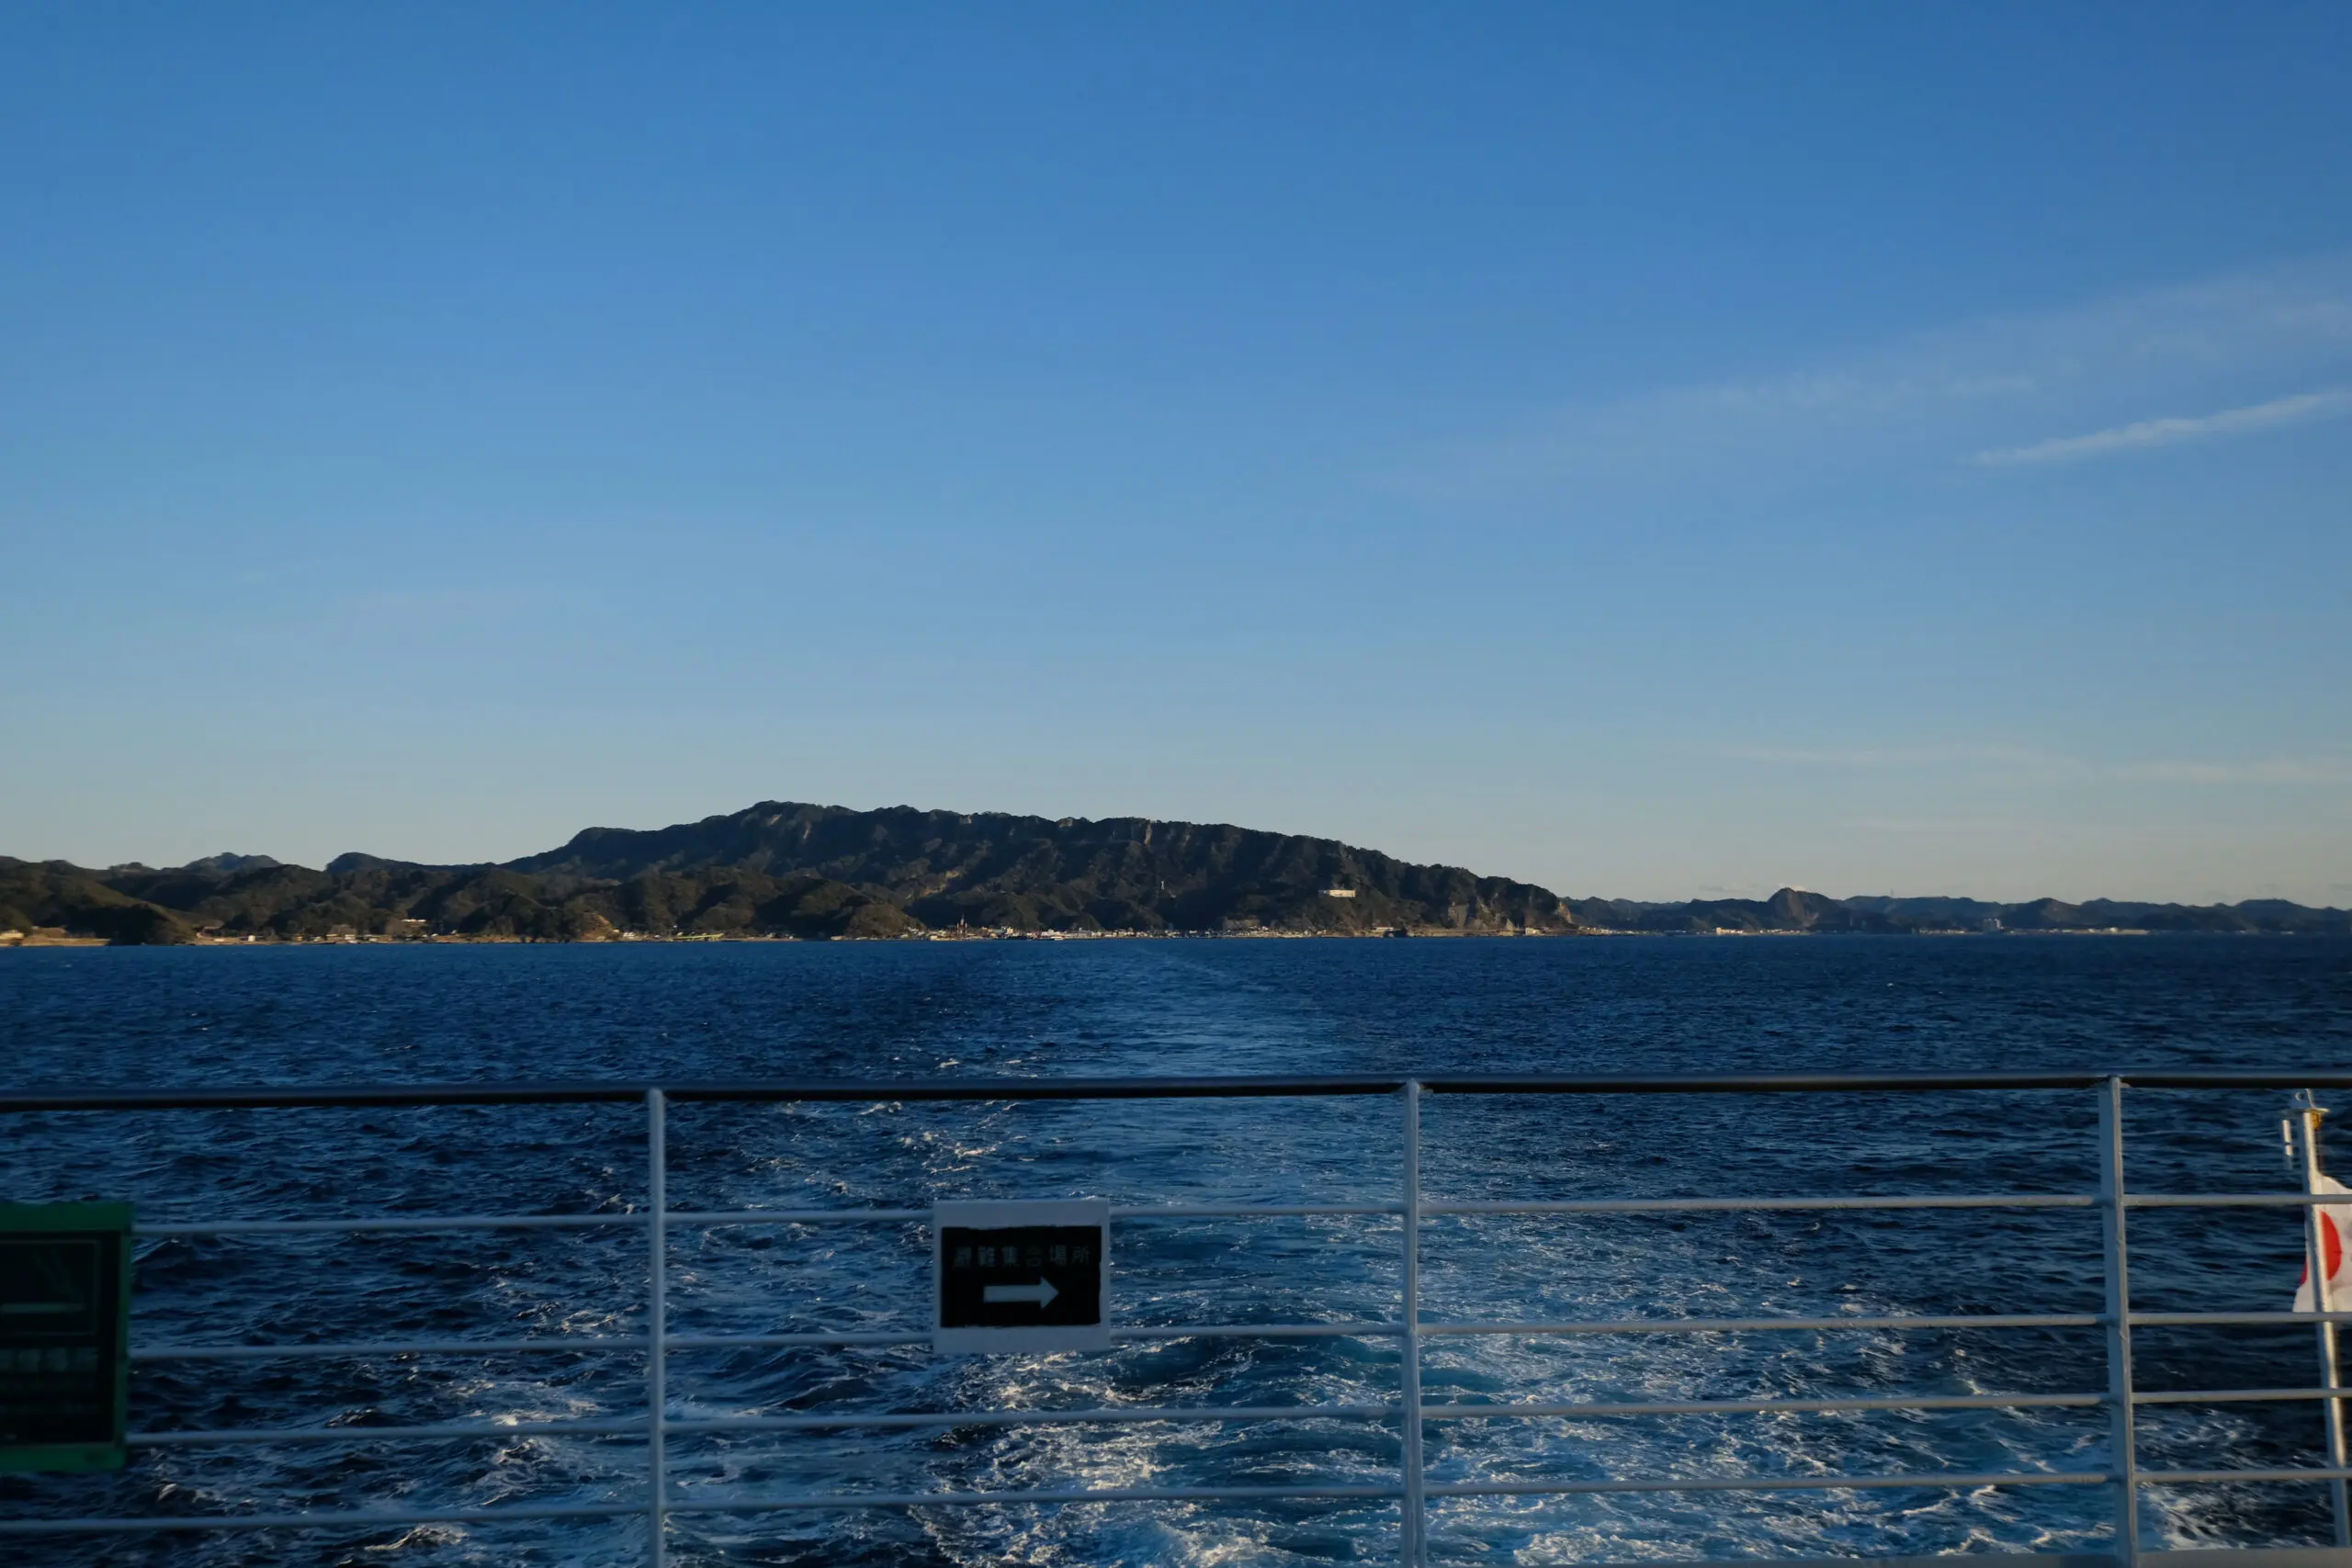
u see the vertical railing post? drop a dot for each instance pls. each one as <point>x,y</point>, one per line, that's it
<point>2117,1271</point>
<point>2323,1300</point>
<point>657,1160</point>
<point>1412,1551</point>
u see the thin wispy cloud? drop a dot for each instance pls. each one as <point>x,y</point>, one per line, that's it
<point>2019,762</point>
<point>1866,756</point>
<point>2260,769</point>
<point>1938,396</point>
<point>2304,408</point>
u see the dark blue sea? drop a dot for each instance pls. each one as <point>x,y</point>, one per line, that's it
<point>378,1014</point>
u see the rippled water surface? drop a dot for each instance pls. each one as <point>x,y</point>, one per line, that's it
<point>701,1012</point>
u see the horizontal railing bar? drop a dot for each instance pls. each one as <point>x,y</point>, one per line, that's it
<point>1859,1083</point>
<point>2250,1555</point>
<point>1759,1406</point>
<point>1771,1483</point>
<point>354,1519</point>
<point>1178,1331</point>
<point>1244,1211</point>
<point>1701,1205</point>
<point>206,1438</point>
<point>2237,1319</point>
<point>818,1090</point>
<point>792,1216</point>
<point>918,1336</point>
<point>1436,1489</point>
<point>2090,1559</point>
<point>849,1501</point>
<point>1114,1415</point>
<point>1366,1330</point>
<point>2236,1395</point>
<point>1099,1415</point>
<point>1118,1212</point>
<point>808,1090</point>
<point>358,1226</point>
<point>587,1344</point>
<point>362,1226</point>
<point>583,1345</point>
<point>1102,1494</point>
<point>1177,1211</point>
<point>2228,1200</point>
<point>600,1343</point>
<point>1763,1325</point>
<point>794,1341</point>
<point>1389,1412</point>
<point>2206,1477</point>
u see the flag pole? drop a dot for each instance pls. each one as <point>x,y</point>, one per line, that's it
<point>2309,1112</point>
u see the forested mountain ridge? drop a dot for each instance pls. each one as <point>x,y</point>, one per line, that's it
<point>785,869</point>
<point>379,898</point>
<point>991,869</point>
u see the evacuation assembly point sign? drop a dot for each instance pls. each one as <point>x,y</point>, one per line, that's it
<point>64,1335</point>
<point>1021,1275</point>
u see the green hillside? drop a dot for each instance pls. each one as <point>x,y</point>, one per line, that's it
<point>783,869</point>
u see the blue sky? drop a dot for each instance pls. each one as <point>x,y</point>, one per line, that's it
<point>1651,450</point>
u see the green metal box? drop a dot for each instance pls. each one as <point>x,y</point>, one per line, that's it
<point>64,1335</point>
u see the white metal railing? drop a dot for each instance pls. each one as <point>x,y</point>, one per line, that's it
<point>1410,1413</point>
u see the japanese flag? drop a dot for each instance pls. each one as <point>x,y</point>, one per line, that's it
<point>2334,1225</point>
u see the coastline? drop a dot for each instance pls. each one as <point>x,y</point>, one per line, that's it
<point>53,938</point>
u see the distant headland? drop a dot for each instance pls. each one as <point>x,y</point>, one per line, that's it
<point>781,870</point>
